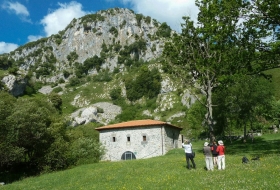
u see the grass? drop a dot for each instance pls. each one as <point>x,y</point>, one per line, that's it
<point>169,171</point>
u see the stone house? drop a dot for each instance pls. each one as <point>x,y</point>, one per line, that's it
<point>138,139</point>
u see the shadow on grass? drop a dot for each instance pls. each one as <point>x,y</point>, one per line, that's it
<point>259,146</point>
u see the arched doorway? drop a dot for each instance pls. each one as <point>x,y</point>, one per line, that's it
<point>128,155</point>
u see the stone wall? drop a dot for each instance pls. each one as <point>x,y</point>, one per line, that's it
<point>143,142</point>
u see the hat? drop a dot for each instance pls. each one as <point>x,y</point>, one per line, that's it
<point>220,142</point>
<point>206,144</point>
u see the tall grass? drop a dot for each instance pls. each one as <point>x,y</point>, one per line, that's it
<point>169,171</point>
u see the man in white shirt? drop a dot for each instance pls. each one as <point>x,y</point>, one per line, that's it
<point>189,155</point>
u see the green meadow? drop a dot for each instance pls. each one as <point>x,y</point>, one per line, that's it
<point>169,171</point>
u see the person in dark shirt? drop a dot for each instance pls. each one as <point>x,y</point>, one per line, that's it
<point>214,153</point>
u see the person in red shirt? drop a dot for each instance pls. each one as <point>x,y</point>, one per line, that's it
<point>221,155</point>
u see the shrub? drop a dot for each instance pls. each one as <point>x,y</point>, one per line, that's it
<point>164,30</point>
<point>57,89</point>
<point>113,31</point>
<point>147,83</point>
<point>74,81</point>
<point>66,73</point>
<point>72,56</point>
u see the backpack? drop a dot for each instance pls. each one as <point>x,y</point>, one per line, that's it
<point>245,160</point>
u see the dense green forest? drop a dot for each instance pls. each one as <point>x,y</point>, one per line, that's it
<point>229,56</point>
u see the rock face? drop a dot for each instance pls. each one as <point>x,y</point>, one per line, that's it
<point>115,36</point>
<point>91,114</point>
<point>16,86</point>
<point>104,34</point>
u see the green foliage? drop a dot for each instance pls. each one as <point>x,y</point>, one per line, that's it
<point>147,84</point>
<point>139,17</point>
<point>66,73</point>
<point>51,58</point>
<point>56,100</point>
<point>135,48</point>
<point>164,30</point>
<point>131,112</point>
<point>34,138</point>
<point>117,47</point>
<point>33,44</point>
<point>92,18</point>
<point>5,62</point>
<point>116,96</point>
<point>57,38</point>
<point>84,150</point>
<point>57,89</point>
<point>73,56</point>
<point>74,81</point>
<point>93,62</point>
<point>104,76</point>
<point>217,48</point>
<point>86,27</point>
<point>123,24</point>
<point>113,31</point>
<point>195,117</point>
<point>104,48</point>
<point>45,69</point>
<point>13,70</point>
<point>148,19</point>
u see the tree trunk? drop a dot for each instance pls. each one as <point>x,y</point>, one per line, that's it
<point>245,131</point>
<point>209,114</point>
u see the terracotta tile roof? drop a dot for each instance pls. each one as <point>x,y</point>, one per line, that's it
<point>136,123</point>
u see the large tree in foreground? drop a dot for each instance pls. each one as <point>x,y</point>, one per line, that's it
<point>221,44</point>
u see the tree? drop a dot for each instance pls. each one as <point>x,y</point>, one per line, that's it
<point>218,46</point>
<point>241,102</point>
<point>56,100</point>
<point>147,84</point>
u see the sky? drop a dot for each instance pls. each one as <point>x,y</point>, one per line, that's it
<point>23,21</point>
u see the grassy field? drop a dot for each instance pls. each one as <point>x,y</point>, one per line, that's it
<point>169,171</point>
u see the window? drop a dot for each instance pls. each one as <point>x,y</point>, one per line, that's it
<point>128,139</point>
<point>128,155</point>
<point>144,138</point>
<point>114,139</point>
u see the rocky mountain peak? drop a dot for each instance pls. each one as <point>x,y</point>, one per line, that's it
<point>112,35</point>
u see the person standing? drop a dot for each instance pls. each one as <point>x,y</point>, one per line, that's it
<point>208,156</point>
<point>214,153</point>
<point>221,155</point>
<point>188,151</point>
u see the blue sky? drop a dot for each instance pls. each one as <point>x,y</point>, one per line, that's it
<point>23,21</point>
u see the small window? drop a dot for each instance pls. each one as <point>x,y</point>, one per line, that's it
<point>114,139</point>
<point>144,138</point>
<point>128,139</point>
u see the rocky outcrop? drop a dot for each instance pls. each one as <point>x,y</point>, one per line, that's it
<point>15,85</point>
<point>86,36</point>
<point>102,112</point>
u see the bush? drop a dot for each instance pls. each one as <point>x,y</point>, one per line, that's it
<point>102,77</point>
<point>113,31</point>
<point>147,83</point>
<point>74,81</point>
<point>164,30</point>
<point>57,89</point>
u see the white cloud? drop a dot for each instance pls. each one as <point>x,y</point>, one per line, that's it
<point>17,8</point>
<point>7,47</point>
<point>169,11</point>
<point>32,38</point>
<point>58,19</point>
